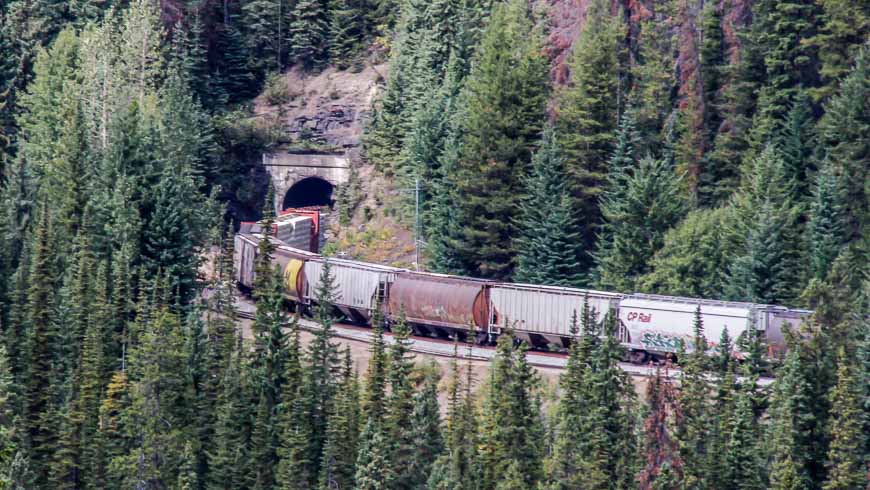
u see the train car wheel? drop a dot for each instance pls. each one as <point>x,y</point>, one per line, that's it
<point>638,357</point>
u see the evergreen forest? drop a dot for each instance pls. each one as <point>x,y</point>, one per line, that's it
<point>712,149</point>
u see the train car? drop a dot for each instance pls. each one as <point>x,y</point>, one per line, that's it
<point>776,317</point>
<point>542,315</point>
<point>244,254</point>
<point>290,260</point>
<point>359,286</point>
<point>658,324</point>
<point>441,304</point>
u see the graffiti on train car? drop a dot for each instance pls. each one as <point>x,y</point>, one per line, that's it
<point>662,342</point>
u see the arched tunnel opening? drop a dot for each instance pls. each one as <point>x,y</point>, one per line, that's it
<point>311,191</point>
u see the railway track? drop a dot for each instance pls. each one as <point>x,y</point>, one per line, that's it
<point>446,349</point>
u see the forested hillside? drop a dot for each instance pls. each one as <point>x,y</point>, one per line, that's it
<point>715,149</point>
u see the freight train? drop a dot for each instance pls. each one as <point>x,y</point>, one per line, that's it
<point>649,326</point>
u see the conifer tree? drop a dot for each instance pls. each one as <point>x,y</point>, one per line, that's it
<point>425,432</point>
<point>792,422</point>
<point>40,341</point>
<point>826,224</point>
<point>227,454</point>
<point>640,205</point>
<point>743,466</point>
<point>295,470</point>
<point>374,395</point>
<point>712,59</point>
<point>844,131</point>
<point>309,33</point>
<point>564,464</point>
<point>504,102</point>
<point>693,257</point>
<point>843,32</point>
<point>546,247</point>
<point>846,459</point>
<point>456,468</point>
<point>400,403</point>
<point>342,431</point>
<point>588,113</point>
<point>374,470</point>
<point>797,143</point>
<point>161,396</point>
<point>513,429</point>
<point>265,24</point>
<point>782,31</point>
<point>231,79</point>
<point>694,435</point>
<point>114,427</point>
<point>346,30</point>
<point>8,405</point>
<point>319,385</point>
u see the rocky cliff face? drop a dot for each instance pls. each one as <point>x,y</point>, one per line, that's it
<point>327,110</point>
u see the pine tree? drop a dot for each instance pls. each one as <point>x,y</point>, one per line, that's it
<point>232,80</point>
<point>792,422</point>
<point>8,405</point>
<point>161,397</point>
<point>765,225</point>
<point>846,457</point>
<point>504,101</point>
<point>295,469</point>
<point>796,145</point>
<point>227,454</point>
<point>513,428</point>
<point>346,31</point>
<point>374,470</point>
<point>114,427</point>
<point>712,60</point>
<point>374,395</point>
<point>40,341</point>
<point>782,29</point>
<point>309,34</point>
<point>400,403</point>
<point>342,432</point>
<point>693,257</point>
<point>844,131</point>
<point>563,467</point>
<point>639,205</point>
<point>264,23</point>
<point>843,31</point>
<point>743,467</point>
<point>694,435</point>
<point>588,112</point>
<point>425,431</point>
<point>826,224</point>
<point>546,247</point>
<point>319,385</point>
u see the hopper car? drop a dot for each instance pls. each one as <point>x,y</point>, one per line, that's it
<point>649,326</point>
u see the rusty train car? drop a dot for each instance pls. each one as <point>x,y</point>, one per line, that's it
<point>446,306</point>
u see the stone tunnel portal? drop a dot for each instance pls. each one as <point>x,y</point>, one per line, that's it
<point>311,191</point>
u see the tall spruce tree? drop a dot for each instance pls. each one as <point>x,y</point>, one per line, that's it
<point>639,205</point>
<point>662,466</point>
<point>342,432</point>
<point>845,131</point>
<point>588,112</point>
<point>546,246</point>
<point>400,402</point>
<point>505,99</point>
<point>309,33</point>
<point>511,435</point>
<point>826,222</point>
<point>425,431</point>
<point>847,457</point>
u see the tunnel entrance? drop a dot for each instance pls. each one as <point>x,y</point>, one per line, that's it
<point>311,191</point>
